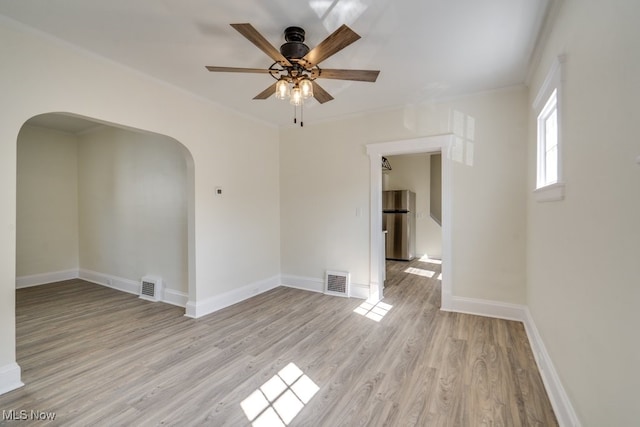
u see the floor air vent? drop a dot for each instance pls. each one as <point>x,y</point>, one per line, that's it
<point>151,288</point>
<point>337,283</point>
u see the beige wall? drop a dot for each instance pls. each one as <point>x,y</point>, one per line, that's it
<point>228,234</point>
<point>111,201</point>
<point>325,183</point>
<point>413,172</point>
<point>582,252</point>
<point>133,190</point>
<point>47,202</point>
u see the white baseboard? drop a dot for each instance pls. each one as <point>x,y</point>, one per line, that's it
<point>562,407</point>
<point>10,378</point>
<point>114,282</point>
<point>446,299</point>
<point>317,285</point>
<point>44,278</point>
<point>197,309</point>
<point>170,296</point>
<point>479,307</point>
<point>173,297</point>
<point>300,282</point>
<point>359,291</point>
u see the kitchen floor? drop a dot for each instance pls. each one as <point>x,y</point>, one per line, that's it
<point>425,269</point>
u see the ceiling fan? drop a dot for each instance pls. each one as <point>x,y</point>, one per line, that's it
<point>296,66</point>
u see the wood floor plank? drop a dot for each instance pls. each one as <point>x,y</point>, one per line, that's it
<point>96,356</point>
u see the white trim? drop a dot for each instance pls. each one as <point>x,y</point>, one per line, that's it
<point>547,140</point>
<point>313,284</point>
<point>562,407</point>
<point>552,82</point>
<point>212,304</point>
<point>113,282</point>
<point>10,378</point>
<point>44,278</point>
<point>358,290</point>
<point>558,397</point>
<point>544,32</point>
<point>377,267</point>
<point>442,143</point>
<point>169,296</point>
<point>549,193</point>
<point>487,308</point>
<point>174,297</point>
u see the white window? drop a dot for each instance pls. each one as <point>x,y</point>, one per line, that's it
<point>549,184</point>
<point>548,142</point>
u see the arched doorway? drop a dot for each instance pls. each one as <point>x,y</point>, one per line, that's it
<point>134,197</point>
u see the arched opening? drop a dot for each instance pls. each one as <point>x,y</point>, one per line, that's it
<point>105,203</point>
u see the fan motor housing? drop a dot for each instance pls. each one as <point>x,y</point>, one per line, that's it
<point>294,48</point>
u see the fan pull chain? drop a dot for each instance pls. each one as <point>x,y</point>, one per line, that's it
<point>295,115</point>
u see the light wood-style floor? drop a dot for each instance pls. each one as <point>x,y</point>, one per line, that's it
<point>96,356</point>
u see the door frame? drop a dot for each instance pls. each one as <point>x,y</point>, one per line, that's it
<point>428,144</point>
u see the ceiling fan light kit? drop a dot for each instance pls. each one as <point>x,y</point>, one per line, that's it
<point>296,66</point>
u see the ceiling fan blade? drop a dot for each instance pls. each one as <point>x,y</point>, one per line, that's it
<point>237,70</point>
<point>263,44</point>
<point>320,94</point>
<point>338,40</point>
<point>357,75</point>
<point>266,93</point>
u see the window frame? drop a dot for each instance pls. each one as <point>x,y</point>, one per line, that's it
<point>548,110</point>
<point>548,101</point>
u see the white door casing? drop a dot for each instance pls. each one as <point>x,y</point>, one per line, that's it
<point>429,144</point>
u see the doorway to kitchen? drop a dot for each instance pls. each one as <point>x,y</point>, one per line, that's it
<point>432,144</point>
<point>412,216</point>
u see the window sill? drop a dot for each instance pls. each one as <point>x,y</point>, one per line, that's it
<point>549,193</point>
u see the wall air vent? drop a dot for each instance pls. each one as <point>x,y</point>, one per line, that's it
<point>151,288</point>
<point>337,283</point>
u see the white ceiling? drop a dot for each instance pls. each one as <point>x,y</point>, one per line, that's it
<point>425,49</point>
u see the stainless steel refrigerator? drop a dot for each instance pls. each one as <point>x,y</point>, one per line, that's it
<point>399,222</point>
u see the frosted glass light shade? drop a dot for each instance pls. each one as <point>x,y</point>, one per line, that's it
<point>282,89</point>
<point>296,96</point>
<point>307,88</point>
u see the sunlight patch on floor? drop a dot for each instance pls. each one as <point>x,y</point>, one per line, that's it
<point>425,258</point>
<point>373,311</point>
<point>420,272</point>
<point>279,400</point>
